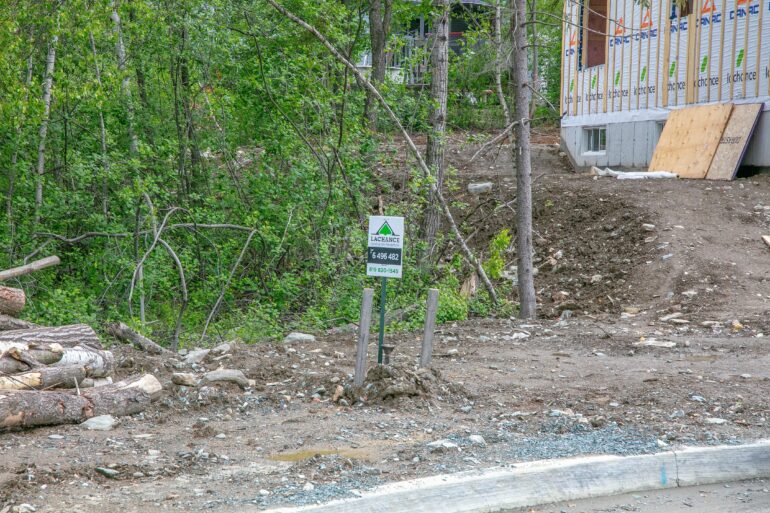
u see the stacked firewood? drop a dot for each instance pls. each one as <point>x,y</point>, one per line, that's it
<point>58,375</point>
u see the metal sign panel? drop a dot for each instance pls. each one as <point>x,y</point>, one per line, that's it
<point>386,244</point>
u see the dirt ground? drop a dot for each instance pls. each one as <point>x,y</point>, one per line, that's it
<point>655,311</point>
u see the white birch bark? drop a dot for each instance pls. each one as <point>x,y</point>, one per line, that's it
<point>43,132</point>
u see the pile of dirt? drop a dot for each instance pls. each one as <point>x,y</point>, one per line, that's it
<point>400,383</point>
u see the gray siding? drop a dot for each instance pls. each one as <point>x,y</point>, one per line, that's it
<point>631,145</point>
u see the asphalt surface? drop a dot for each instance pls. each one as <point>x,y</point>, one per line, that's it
<point>741,497</point>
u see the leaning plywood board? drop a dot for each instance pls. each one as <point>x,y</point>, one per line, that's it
<point>690,139</point>
<point>734,142</point>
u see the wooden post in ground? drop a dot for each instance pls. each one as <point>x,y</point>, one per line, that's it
<point>426,353</point>
<point>364,325</point>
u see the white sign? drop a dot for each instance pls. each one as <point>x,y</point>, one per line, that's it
<point>386,244</point>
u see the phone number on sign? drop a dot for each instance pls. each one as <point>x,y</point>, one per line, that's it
<point>385,270</point>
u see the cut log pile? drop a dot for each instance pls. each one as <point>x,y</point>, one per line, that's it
<point>52,375</point>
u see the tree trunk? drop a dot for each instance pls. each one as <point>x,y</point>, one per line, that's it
<point>66,336</point>
<point>522,160</point>
<point>379,31</point>
<point>8,323</point>
<point>535,61</point>
<point>125,84</point>
<point>11,301</point>
<point>44,377</point>
<point>499,55</point>
<point>24,409</point>
<point>126,334</point>
<point>436,147</point>
<point>37,265</point>
<point>102,132</point>
<point>47,88</point>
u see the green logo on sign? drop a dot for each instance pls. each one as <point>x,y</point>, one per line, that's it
<point>593,81</point>
<point>617,78</point>
<point>704,63</point>
<point>644,74</point>
<point>385,230</point>
<point>672,70</point>
<point>740,59</point>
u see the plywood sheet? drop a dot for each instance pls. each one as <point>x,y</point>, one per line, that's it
<point>734,141</point>
<point>690,140</point>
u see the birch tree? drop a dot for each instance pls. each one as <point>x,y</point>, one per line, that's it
<point>102,131</point>
<point>125,84</point>
<point>50,64</point>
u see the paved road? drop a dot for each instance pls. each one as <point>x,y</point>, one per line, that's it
<point>742,497</point>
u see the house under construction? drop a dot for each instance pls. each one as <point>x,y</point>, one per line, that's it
<point>628,64</point>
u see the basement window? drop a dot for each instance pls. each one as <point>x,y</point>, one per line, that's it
<point>594,33</point>
<point>595,139</point>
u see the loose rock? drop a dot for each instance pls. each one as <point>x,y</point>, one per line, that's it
<point>298,337</point>
<point>101,423</point>
<point>185,379</point>
<point>480,188</point>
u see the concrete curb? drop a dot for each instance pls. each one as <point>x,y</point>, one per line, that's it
<point>543,482</point>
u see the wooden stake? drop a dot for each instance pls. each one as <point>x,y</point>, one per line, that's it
<point>364,325</point>
<point>613,5</point>
<point>564,46</point>
<point>710,15</point>
<point>732,53</point>
<point>666,58</point>
<point>607,38</point>
<point>426,353</point>
<point>746,47</point>
<point>721,48</point>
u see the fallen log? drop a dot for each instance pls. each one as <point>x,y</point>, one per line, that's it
<point>31,267</point>
<point>67,336</point>
<point>125,334</point>
<point>26,408</point>
<point>44,377</point>
<point>19,357</point>
<point>11,323</point>
<point>11,301</point>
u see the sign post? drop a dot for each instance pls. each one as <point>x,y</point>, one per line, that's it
<point>384,259</point>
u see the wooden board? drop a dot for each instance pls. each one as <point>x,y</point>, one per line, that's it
<point>734,142</point>
<point>690,139</point>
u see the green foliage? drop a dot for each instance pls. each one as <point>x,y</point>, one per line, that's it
<point>494,265</point>
<point>244,123</point>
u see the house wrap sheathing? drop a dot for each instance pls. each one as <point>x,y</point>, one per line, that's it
<point>627,64</point>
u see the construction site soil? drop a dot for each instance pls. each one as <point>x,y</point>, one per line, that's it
<point>654,301</point>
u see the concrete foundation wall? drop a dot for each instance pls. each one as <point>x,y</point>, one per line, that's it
<point>631,144</point>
